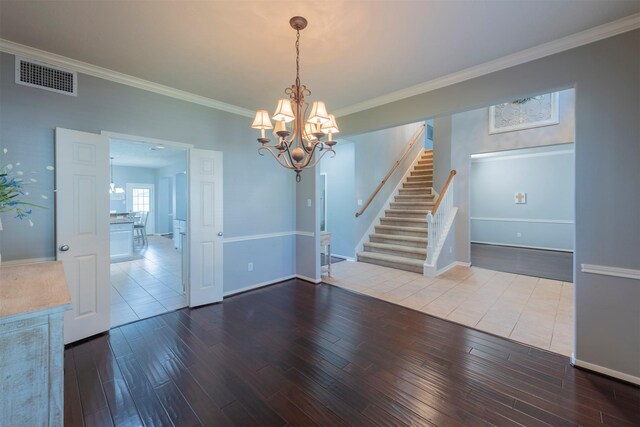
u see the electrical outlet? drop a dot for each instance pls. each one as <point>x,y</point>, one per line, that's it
<point>518,234</point>
<point>359,202</point>
<point>250,266</point>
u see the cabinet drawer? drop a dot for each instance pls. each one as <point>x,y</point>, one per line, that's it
<point>22,324</point>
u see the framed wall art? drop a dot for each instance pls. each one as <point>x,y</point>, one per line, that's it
<point>525,113</point>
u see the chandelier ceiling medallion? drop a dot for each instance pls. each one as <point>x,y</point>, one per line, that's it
<point>296,147</point>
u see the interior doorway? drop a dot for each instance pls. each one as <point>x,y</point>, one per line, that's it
<point>148,277</point>
<point>522,211</point>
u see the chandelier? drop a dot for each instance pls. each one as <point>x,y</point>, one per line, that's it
<point>112,186</point>
<point>298,139</point>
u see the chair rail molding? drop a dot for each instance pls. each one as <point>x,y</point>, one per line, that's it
<point>604,270</point>
<point>268,236</point>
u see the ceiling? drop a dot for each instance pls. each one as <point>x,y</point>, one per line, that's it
<point>242,52</point>
<point>140,154</point>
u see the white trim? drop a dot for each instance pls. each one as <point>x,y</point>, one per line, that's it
<point>259,236</point>
<point>27,261</point>
<point>522,246</point>
<point>591,35</point>
<point>387,205</point>
<point>268,236</point>
<point>308,279</point>
<point>450,266</point>
<point>627,273</point>
<point>326,197</point>
<point>146,140</point>
<point>346,258</point>
<point>529,220</point>
<point>436,195</point>
<point>494,157</point>
<point>429,270</point>
<point>114,76</point>
<point>257,285</point>
<point>606,371</point>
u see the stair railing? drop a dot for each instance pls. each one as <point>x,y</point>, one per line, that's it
<point>436,219</point>
<point>393,168</point>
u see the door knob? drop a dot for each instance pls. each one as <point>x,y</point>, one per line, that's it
<point>220,233</point>
<point>64,248</point>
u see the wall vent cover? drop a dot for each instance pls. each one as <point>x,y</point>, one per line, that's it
<point>45,76</point>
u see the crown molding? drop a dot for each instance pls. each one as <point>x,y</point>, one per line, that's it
<point>629,23</point>
<point>114,76</point>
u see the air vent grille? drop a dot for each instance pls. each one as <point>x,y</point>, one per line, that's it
<point>44,76</point>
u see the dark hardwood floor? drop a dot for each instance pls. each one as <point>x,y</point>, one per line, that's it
<point>554,265</point>
<point>298,354</point>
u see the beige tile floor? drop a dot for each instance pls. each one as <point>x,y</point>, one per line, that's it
<point>148,286</point>
<point>531,310</point>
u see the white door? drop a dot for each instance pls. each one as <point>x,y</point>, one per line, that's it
<point>82,229</point>
<point>205,227</point>
<point>140,198</point>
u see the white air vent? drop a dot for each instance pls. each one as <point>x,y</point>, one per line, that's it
<point>44,76</point>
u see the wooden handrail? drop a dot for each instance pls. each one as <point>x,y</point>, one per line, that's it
<point>393,168</point>
<point>443,192</point>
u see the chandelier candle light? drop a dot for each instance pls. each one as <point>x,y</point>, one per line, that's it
<point>296,148</point>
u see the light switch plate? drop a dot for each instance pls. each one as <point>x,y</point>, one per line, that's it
<point>308,203</point>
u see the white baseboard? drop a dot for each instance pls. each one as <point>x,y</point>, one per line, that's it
<point>606,371</point>
<point>256,286</point>
<point>27,261</point>
<point>429,271</point>
<point>308,279</point>
<point>348,258</point>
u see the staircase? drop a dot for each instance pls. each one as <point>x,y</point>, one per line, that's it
<point>400,240</point>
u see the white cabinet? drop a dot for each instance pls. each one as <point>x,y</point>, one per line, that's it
<point>121,239</point>
<point>179,226</point>
<point>34,297</point>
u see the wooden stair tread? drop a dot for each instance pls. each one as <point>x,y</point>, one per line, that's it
<point>398,248</point>
<point>400,237</point>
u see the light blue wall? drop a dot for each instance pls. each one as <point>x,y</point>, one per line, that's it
<point>375,154</point>
<point>428,142</point>
<point>308,225</point>
<point>341,198</point>
<point>470,135</point>
<point>546,175</point>
<point>259,196</point>
<point>130,174</point>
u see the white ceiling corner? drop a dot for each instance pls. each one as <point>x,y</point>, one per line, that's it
<point>238,56</point>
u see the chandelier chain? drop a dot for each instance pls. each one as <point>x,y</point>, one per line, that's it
<point>298,58</point>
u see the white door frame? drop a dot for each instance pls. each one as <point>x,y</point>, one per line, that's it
<point>174,144</point>
<point>151,222</point>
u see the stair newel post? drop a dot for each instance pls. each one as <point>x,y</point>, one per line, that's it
<point>430,231</point>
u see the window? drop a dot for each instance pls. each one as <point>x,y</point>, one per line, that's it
<point>140,199</point>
